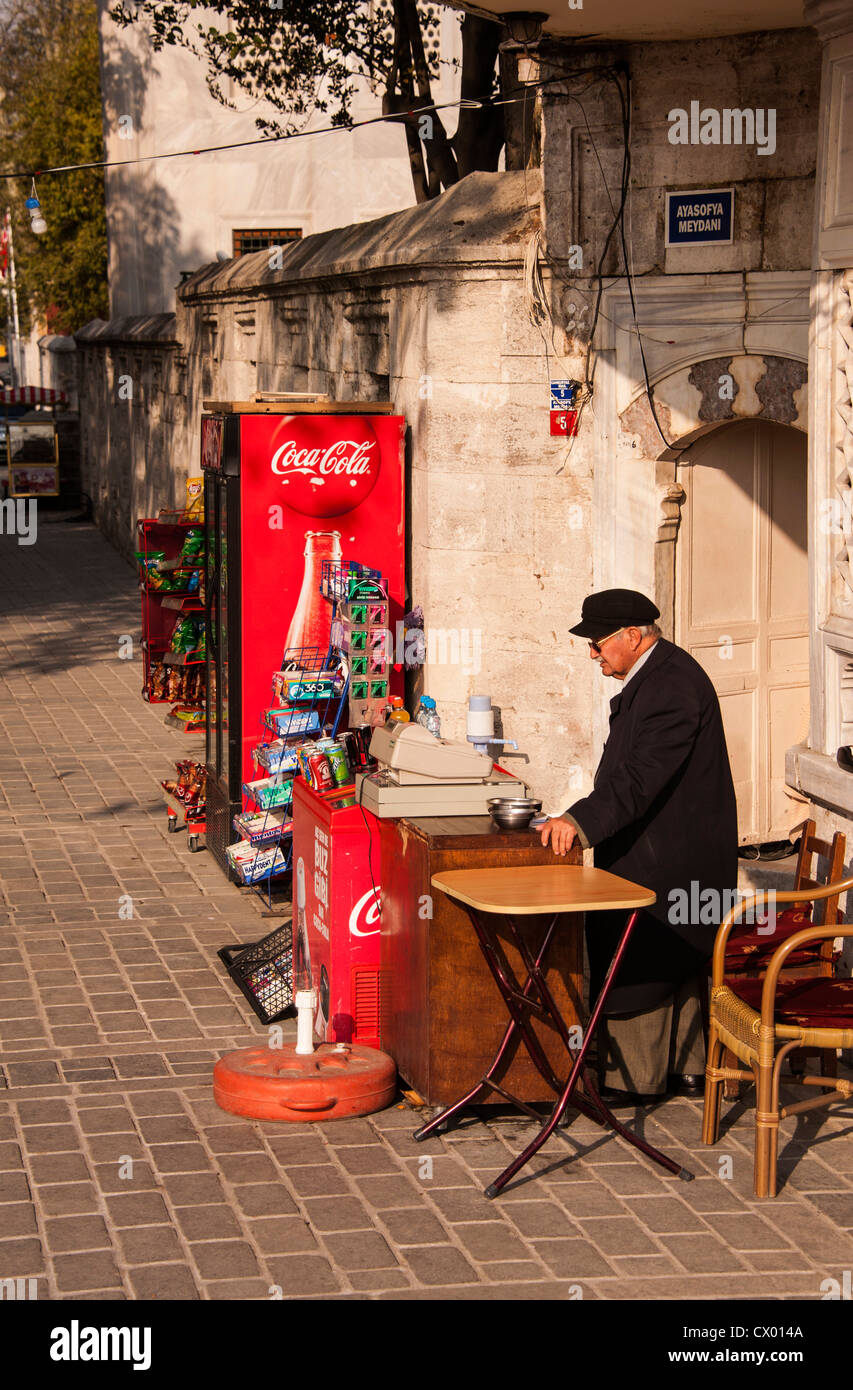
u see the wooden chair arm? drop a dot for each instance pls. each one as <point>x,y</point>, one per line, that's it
<point>735,914</point>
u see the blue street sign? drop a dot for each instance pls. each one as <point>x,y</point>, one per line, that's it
<point>563,394</point>
<point>700,217</point>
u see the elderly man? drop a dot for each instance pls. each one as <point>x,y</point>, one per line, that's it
<point>662,813</point>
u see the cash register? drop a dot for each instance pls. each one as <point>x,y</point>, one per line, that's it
<point>421,775</point>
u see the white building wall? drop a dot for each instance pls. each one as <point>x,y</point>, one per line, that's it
<point>168,217</point>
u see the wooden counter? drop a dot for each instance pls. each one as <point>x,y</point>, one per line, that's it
<point>441,1016</point>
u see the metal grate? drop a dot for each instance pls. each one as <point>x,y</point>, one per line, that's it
<point>246,240</point>
<point>365,993</point>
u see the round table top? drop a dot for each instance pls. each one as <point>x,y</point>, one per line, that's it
<point>525,890</point>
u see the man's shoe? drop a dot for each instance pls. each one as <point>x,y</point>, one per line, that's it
<point>687,1085</point>
<point>616,1098</point>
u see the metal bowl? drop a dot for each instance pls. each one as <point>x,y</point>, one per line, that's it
<point>513,812</point>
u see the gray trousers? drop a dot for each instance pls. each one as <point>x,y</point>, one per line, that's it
<point>638,1051</point>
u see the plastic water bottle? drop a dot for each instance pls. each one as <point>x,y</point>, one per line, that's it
<point>430,720</point>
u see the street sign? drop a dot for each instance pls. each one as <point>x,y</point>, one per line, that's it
<point>563,394</point>
<point>700,217</point>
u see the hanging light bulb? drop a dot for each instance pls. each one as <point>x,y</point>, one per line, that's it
<point>33,206</point>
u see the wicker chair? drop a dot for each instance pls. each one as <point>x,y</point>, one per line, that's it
<point>768,1019</point>
<point>750,949</point>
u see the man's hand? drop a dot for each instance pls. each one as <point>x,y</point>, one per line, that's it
<point>561,834</point>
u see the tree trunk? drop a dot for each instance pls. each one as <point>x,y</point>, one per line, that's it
<point>479,136</point>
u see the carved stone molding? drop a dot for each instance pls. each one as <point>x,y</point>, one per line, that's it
<point>292,315</point>
<point>671,501</point>
<point>244,317</point>
<point>368,315</point>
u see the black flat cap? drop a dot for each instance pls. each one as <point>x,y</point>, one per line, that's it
<point>611,609</point>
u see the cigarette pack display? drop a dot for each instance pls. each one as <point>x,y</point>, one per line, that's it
<point>277,756</point>
<point>267,792</point>
<point>252,863</point>
<point>285,722</point>
<point>265,828</point>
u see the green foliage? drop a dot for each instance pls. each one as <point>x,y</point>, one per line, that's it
<point>50,114</point>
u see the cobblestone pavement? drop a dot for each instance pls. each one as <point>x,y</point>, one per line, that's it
<point>110,1026</point>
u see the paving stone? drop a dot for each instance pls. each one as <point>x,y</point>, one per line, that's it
<point>414,1227</point>
<point>389,1192</point>
<point>367,1160</point>
<point>106,1121</point>
<point>149,1245</point>
<point>210,1222</point>
<point>745,1232</point>
<point>137,1209</point>
<point>490,1240</point>
<point>67,1198</point>
<point>220,1259</point>
<point>706,1256</point>
<point>65,1167</point>
<point>242,1168</point>
<point>572,1259</point>
<point>666,1214</point>
<point>303,1274</point>
<point>376,1279</point>
<point>163,1282</point>
<point>17,1219</point>
<point>94,1270</point>
<point>264,1199</point>
<point>465,1205</point>
<point>436,1264</point>
<point>317,1181</point>
<point>237,1290</point>
<point>337,1214</point>
<point>617,1235</point>
<point>117,1177</point>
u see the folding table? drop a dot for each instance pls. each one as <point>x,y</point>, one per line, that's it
<point>501,894</point>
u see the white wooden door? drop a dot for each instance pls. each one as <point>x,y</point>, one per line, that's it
<point>742,604</point>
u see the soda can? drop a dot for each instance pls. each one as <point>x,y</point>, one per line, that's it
<point>339,765</point>
<point>364,734</point>
<point>320,773</point>
<point>303,753</point>
<point>352,747</point>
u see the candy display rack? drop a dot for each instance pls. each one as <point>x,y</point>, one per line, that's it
<point>311,690</point>
<point>160,545</point>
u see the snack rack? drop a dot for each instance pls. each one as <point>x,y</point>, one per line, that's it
<point>171,589</point>
<point>310,690</point>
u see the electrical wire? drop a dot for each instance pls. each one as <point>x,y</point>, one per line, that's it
<point>464,103</point>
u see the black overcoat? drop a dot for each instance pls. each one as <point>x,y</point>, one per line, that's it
<point>663,814</point>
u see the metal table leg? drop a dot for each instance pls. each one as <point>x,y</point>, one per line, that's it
<point>536,997</point>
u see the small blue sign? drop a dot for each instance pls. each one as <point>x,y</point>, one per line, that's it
<point>563,394</point>
<point>700,217</point>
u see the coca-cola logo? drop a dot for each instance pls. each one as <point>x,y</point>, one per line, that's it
<point>327,464</point>
<point>366,912</point>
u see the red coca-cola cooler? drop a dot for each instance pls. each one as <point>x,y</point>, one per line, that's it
<point>286,487</point>
<point>336,863</point>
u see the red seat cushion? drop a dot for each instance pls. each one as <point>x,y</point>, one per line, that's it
<point>749,947</point>
<point>816,1002</point>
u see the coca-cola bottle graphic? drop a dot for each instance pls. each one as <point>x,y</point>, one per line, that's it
<point>302,956</point>
<point>311,623</point>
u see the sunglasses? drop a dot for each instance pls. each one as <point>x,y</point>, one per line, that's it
<point>596,646</point>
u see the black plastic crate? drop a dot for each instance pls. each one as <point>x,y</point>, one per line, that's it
<point>263,970</point>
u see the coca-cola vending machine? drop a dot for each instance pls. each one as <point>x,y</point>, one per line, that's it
<point>286,487</point>
<point>336,912</point>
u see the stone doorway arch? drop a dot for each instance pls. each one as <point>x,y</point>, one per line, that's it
<point>691,401</point>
